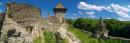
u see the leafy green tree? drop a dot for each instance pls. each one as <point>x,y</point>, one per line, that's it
<point>86,24</point>
<point>116,28</point>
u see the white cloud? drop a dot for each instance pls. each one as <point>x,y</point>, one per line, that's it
<point>74,17</point>
<point>108,18</point>
<point>120,10</point>
<point>90,13</point>
<point>80,12</point>
<point>109,9</point>
<point>0,3</point>
<point>115,8</point>
<point>92,16</point>
<point>85,6</point>
<point>123,14</point>
<point>122,19</point>
<point>128,6</point>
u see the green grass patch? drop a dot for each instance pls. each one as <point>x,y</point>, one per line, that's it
<point>87,37</point>
<point>82,36</point>
<point>38,40</point>
<point>49,37</point>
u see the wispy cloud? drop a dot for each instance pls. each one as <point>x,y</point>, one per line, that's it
<point>120,10</point>
<point>122,19</point>
<point>108,18</point>
<point>80,12</point>
<point>0,3</point>
<point>74,16</point>
<point>114,8</point>
<point>91,14</point>
<point>128,6</point>
<point>85,6</point>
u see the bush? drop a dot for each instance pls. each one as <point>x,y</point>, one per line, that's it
<point>49,37</point>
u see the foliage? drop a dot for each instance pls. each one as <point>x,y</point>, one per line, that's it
<point>82,36</point>
<point>116,28</point>
<point>71,22</point>
<point>87,37</point>
<point>38,40</point>
<point>86,24</point>
<point>49,37</point>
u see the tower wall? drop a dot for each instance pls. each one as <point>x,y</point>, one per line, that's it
<point>60,13</point>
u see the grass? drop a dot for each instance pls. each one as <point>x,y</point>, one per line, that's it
<point>87,37</point>
<point>84,37</point>
<point>37,40</point>
<point>49,37</point>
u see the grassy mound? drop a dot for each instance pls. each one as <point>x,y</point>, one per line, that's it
<point>50,37</point>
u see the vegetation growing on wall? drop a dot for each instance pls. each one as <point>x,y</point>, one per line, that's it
<point>49,37</point>
<point>38,40</point>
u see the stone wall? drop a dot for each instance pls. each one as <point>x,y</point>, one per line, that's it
<point>23,14</point>
<point>2,17</point>
<point>12,32</point>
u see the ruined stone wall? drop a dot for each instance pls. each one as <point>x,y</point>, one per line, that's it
<point>23,14</point>
<point>1,17</point>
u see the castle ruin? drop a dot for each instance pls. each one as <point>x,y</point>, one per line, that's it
<point>58,19</point>
<point>23,14</point>
<point>22,22</point>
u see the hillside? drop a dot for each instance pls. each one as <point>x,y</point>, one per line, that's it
<point>83,36</point>
<point>86,37</point>
<point>116,28</point>
<point>23,23</point>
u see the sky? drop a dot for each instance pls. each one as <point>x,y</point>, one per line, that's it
<point>107,9</point>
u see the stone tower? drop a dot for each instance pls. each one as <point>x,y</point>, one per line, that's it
<point>101,30</point>
<point>59,11</point>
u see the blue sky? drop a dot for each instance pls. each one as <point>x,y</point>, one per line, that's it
<point>108,9</point>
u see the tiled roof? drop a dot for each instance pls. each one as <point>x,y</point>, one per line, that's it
<point>59,5</point>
